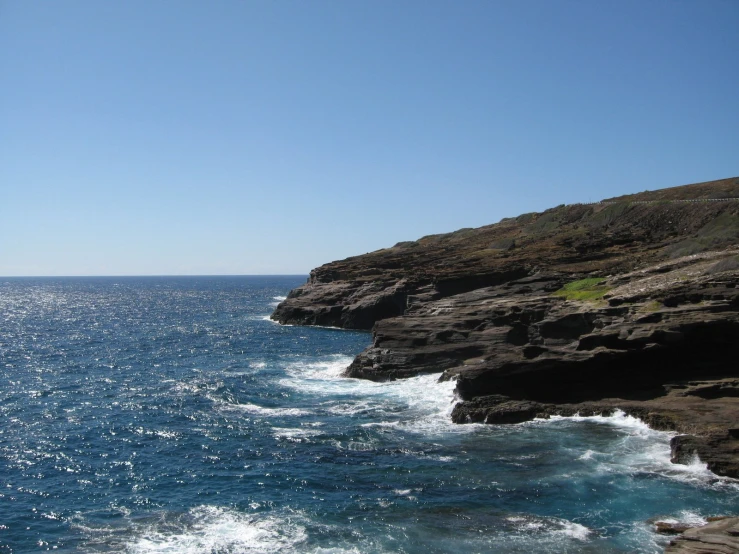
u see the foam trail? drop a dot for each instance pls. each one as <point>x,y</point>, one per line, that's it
<point>215,529</point>
<point>262,410</point>
<point>422,404</point>
<point>641,450</point>
<point>277,300</point>
<point>294,434</point>
<point>530,525</point>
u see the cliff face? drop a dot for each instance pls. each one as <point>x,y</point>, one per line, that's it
<point>628,304</point>
<point>616,236</point>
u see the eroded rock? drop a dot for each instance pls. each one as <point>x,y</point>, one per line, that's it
<point>716,537</point>
<point>659,342</point>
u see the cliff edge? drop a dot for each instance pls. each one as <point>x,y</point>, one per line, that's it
<point>630,303</point>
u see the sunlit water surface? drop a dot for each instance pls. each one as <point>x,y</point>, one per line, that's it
<point>170,415</point>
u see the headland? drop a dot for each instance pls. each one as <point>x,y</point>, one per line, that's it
<point>627,304</point>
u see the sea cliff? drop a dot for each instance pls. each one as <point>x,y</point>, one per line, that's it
<point>626,304</point>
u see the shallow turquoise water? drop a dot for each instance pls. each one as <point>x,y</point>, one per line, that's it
<point>170,415</point>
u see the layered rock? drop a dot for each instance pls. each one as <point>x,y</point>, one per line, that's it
<point>656,338</point>
<point>346,304</point>
<point>661,345</point>
<point>720,536</point>
<point>616,236</point>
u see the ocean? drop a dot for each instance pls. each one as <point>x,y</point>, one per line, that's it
<point>170,415</point>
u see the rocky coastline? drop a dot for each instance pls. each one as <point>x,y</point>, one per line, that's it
<point>629,304</point>
<point>719,536</point>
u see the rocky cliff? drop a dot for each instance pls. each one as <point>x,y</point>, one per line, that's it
<point>626,304</point>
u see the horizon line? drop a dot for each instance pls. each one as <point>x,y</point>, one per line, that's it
<point>155,275</point>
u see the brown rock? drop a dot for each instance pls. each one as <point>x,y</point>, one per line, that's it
<point>658,344</point>
<point>666,528</point>
<point>717,537</point>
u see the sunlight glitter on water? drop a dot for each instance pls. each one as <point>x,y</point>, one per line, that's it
<point>136,417</point>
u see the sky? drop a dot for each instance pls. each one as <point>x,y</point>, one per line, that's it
<point>183,137</point>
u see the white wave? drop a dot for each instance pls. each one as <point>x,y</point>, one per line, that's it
<point>587,455</point>
<point>448,459</point>
<point>277,300</point>
<point>574,530</point>
<point>352,408</point>
<point>617,419</point>
<point>642,532</point>
<point>215,529</point>
<point>641,450</point>
<point>296,434</point>
<point>358,446</point>
<point>161,433</point>
<point>550,526</point>
<point>262,410</point>
<point>334,550</point>
<point>418,404</point>
<point>685,516</point>
<point>322,370</point>
<point>382,424</point>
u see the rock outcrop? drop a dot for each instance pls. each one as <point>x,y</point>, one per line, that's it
<point>631,304</point>
<point>661,345</point>
<point>615,236</point>
<point>720,536</point>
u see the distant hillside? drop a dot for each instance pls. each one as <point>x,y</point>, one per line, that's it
<point>724,188</point>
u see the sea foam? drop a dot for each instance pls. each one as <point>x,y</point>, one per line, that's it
<point>217,529</point>
<point>640,449</point>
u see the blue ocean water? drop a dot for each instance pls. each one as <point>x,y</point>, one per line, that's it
<point>170,415</point>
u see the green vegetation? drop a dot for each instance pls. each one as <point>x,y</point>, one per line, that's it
<point>652,306</point>
<point>584,289</point>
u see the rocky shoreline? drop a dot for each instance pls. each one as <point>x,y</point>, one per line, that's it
<point>628,305</point>
<point>719,536</point>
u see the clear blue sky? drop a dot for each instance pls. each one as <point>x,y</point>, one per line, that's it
<point>246,137</point>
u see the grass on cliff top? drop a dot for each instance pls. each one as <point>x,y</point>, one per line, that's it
<point>584,289</point>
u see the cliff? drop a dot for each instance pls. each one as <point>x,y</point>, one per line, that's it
<point>630,304</point>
